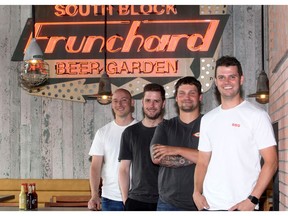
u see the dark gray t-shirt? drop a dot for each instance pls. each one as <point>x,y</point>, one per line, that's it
<point>176,185</point>
<point>135,146</point>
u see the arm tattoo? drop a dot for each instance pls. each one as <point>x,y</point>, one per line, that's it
<point>175,161</point>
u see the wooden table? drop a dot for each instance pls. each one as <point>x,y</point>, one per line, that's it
<point>14,208</point>
<point>6,197</point>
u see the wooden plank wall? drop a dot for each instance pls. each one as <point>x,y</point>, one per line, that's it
<point>50,138</point>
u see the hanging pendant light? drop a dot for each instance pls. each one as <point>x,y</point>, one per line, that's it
<point>35,71</point>
<point>262,93</point>
<point>104,95</point>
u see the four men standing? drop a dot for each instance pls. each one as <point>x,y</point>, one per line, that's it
<point>237,132</point>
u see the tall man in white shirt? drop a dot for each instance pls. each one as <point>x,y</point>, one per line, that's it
<point>233,137</point>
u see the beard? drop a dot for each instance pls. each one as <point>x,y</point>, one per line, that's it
<point>153,116</point>
<point>186,108</point>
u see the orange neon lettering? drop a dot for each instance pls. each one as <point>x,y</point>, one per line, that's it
<point>142,9</point>
<point>136,67</point>
<point>60,68</point>
<point>165,67</point>
<point>77,68</point>
<point>95,68</point>
<point>149,41</point>
<point>111,42</point>
<point>152,43</point>
<point>112,68</point>
<point>129,67</point>
<point>74,10</point>
<point>73,69</point>
<point>85,10</point>
<point>60,10</point>
<point>171,8</point>
<point>207,40</point>
<point>173,66</point>
<point>133,11</point>
<point>81,10</point>
<point>132,36</point>
<point>192,40</point>
<point>124,67</point>
<point>90,42</point>
<point>98,10</point>
<point>148,67</point>
<point>52,43</point>
<point>163,43</point>
<point>71,42</point>
<point>155,9</point>
<point>159,67</point>
<point>103,9</point>
<point>95,10</point>
<point>84,68</point>
<point>174,42</point>
<point>123,10</point>
<point>110,9</point>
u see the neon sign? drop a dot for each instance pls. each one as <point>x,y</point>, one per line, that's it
<point>163,43</point>
<point>143,41</point>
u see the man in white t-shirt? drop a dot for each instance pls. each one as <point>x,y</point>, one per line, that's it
<point>233,138</point>
<point>104,152</point>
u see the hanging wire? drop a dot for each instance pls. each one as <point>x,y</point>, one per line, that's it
<point>262,36</point>
<point>262,93</point>
<point>104,95</point>
<point>33,21</point>
<point>105,37</point>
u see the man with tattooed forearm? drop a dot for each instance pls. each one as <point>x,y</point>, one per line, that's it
<point>174,147</point>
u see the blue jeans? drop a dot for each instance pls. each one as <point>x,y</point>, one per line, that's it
<point>112,205</point>
<point>163,206</point>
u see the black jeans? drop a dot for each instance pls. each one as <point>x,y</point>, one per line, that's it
<point>134,205</point>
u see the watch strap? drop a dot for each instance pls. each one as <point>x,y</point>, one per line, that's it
<point>253,199</point>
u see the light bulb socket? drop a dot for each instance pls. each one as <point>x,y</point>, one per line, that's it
<point>33,52</point>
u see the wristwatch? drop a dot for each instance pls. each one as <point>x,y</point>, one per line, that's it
<point>253,199</point>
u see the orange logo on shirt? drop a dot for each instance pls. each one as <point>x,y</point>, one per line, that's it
<point>235,125</point>
<point>196,134</point>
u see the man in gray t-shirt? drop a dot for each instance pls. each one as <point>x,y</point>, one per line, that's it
<point>174,148</point>
<point>135,155</point>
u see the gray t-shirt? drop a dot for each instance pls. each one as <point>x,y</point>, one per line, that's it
<point>135,146</point>
<point>176,185</point>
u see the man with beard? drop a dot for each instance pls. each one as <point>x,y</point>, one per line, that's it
<point>104,152</point>
<point>134,152</point>
<point>174,148</point>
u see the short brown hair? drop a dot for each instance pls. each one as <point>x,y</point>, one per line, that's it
<point>190,81</point>
<point>155,87</point>
<point>229,61</point>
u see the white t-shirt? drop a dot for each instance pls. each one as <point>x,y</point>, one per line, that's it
<point>234,137</point>
<point>107,143</point>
